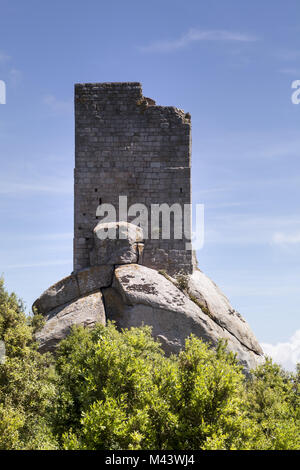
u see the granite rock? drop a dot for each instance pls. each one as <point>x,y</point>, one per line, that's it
<point>141,295</point>
<point>94,278</point>
<point>210,298</point>
<point>85,311</point>
<point>72,287</point>
<point>124,248</point>
<point>58,294</point>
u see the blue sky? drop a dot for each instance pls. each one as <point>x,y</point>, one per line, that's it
<point>231,65</point>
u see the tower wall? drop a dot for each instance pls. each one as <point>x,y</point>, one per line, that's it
<point>125,145</point>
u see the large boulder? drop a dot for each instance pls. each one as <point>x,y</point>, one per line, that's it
<point>85,311</point>
<point>135,295</point>
<point>72,287</point>
<point>59,293</point>
<point>116,243</point>
<point>93,278</point>
<point>141,295</point>
<point>210,299</point>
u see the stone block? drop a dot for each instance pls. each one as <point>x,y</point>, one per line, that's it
<point>58,294</point>
<point>122,249</point>
<point>94,278</point>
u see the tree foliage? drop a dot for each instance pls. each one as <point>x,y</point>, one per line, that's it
<point>27,385</point>
<point>121,392</point>
<point>107,389</point>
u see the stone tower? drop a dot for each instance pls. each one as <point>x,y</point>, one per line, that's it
<point>126,145</point>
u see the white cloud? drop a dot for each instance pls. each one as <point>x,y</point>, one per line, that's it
<point>286,148</point>
<point>286,354</point>
<point>3,57</point>
<point>255,145</point>
<point>288,55</point>
<point>222,205</point>
<point>291,71</point>
<point>40,237</point>
<point>15,76</point>
<point>51,236</point>
<point>58,106</point>
<point>38,265</point>
<point>245,229</point>
<point>59,186</point>
<point>195,35</point>
<point>238,184</point>
<point>280,238</point>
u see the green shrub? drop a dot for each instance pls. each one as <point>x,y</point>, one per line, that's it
<point>27,385</point>
<point>119,391</point>
<point>112,390</point>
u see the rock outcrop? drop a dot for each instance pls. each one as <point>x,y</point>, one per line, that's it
<point>133,295</point>
<point>210,299</point>
<point>141,295</point>
<point>73,287</point>
<point>85,311</point>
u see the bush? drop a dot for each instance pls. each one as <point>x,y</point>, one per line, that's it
<point>27,385</point>
<point>113,390</point>
<point>273,404</point>
<point>119,391</point>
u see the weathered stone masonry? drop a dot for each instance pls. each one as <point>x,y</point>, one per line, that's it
<point>126,145</point>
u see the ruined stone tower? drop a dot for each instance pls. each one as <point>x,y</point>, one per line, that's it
<point>126,145</point>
